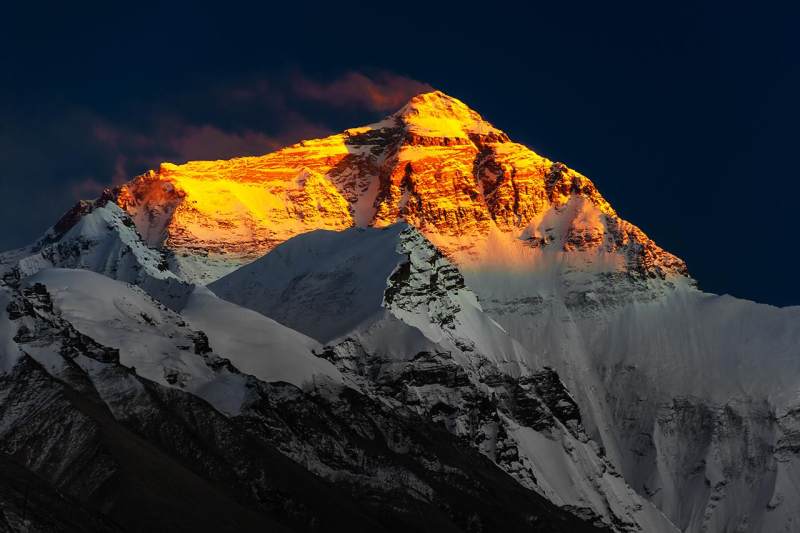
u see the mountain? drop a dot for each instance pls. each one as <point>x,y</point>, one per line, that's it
<point>152,429</point>
<point>399,322</point>
<point>418,320</point>
<point>435,163</point>
<point>100,236</point>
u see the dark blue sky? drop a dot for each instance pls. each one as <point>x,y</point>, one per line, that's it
<point>685,116</point>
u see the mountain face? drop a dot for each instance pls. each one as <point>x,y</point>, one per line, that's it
<point>416,324</point>
<point>150,436</point>
<point>435,164</point>
<point>400,323</point>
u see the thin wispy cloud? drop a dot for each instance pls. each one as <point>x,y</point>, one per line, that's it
<point>384,91</point>
<point>250,117</point>
<point>71,152</point>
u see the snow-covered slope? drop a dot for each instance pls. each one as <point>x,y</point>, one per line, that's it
<point>142,334</point>
<point>101,237</point>
<point>307,289</point>
<point>332,284</point>
<point>691,394</point>
<point>256,344</point>
<point>121,426</point>
<point>399,322</point>
<point>162,347</point>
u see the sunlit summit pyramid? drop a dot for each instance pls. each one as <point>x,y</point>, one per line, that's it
<point>435,163</point>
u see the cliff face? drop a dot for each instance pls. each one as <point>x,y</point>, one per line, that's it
<point>435,163</point>
<point>398,321</point>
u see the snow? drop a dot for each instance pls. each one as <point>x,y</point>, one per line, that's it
<point>104,241</point>
<point>709,346</point>
<point>9,351</point>
<point>331,284</point>
<point>629,350</point>
<point>625,348</point>
<point>389,338</point>
<point>334,286</point>
<point>255,344</point>
<point>150,338</point>
<point>106,230</point>
<point>321,283</point>
<point>154,340</point>
<point>200,269</point>
<point>435,114</point>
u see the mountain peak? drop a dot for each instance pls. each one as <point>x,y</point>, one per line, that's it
<point>435,163</point>
<point>433,103</point>
<point>436,114</point>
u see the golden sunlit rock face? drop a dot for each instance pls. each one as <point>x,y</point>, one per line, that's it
<point>435,163</point>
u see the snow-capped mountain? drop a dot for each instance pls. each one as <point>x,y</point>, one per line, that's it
<point>399,322</point>
<point>414,314</point>
<point>435,163</point>
<point>153,429</point>
<point>100,236</point>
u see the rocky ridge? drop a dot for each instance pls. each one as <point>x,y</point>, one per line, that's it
<point>140,454</point>
<point>435,164</point>
<point>401,325</point>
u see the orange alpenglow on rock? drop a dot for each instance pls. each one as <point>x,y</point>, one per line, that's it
<point>435,163</point>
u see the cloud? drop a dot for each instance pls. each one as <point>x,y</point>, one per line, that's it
<point>249,117</point>
<point>176,139</point>
<point>208,142</point>
<point>86,188</point>
<point>384,91</point>
<point>66,152</point>
<point>187,141</point>
<point>246,117</point>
